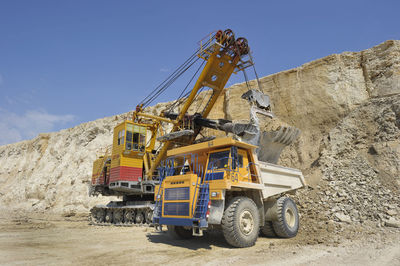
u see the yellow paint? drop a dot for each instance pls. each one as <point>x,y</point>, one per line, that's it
<point>97,168</point>
<point>211,145</point>
<point>242,178</point>
<point>215,75</point>
<point>120,155</point>
<point>157,191</point>
<point>188,180</point>
<point>220,184</point>
<point>131,162</point>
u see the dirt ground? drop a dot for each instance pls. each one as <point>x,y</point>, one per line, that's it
<point>39,241</point>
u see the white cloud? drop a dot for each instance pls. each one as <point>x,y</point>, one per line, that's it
<point>15,127</point>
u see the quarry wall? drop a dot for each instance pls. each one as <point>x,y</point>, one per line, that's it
<point>346,105</point>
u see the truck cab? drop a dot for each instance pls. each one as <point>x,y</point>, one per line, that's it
<point>196,177</point>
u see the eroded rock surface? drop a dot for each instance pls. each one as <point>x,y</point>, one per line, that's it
<point>346,105</point>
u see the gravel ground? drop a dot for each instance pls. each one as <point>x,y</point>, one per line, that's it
<point>52,240</point>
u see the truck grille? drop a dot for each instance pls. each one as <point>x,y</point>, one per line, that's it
<point>176,208</point>
<point>179,193</point>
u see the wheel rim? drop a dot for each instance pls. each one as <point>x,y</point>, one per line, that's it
<point>139,218</point>
<point>108,217</point>
<point>118,216</point>
<point>149,217</point>
<point>290,218</point>
<point>100,216</point>
<point>246,222</point>
<point>128,216</point>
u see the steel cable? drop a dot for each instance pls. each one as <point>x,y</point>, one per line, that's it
<point>174,76</point>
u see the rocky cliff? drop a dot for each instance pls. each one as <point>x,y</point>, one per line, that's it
<point>346,105</point>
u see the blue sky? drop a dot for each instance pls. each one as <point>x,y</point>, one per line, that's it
<point>67,62</point>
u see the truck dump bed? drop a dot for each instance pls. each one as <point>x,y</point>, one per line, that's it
<point>278,179</point>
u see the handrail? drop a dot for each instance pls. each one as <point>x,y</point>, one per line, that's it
<point>158,200</point>
<point>249,171</point>
<point>196,188</point>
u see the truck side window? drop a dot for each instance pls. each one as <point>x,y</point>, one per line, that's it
<point>240,160</point>
<point>218,160</point>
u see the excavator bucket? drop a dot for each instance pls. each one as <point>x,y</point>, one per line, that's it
<point>272,143</point>
<point>260,99</point>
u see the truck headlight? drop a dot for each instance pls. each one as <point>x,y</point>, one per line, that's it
<point>158,196</point>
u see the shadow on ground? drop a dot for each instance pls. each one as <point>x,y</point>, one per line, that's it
<point>205,242</point>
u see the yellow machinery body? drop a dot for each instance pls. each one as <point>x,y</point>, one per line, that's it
<point>127,166</point>
<point>221,164</point>
<point>130,167</point>
<point>221,184</point>
<point>131,153</point>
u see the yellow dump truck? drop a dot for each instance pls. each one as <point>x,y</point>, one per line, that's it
<point>221,184</point>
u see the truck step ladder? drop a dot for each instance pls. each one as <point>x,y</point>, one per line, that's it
<point>202,202</point>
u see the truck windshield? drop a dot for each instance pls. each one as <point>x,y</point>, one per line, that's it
<point>218,160</point>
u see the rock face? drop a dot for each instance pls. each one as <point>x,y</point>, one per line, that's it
<point>316,96</point>
<point>360,164</point>
<point>52,171</point>
<point>347,106</point>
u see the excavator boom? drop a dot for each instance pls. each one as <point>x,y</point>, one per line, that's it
<point>224,55</point>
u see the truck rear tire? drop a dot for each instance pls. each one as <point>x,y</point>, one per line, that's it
<point>268,229</point>
<point>241,222</point>
<point>179,232</point>
<point>287,224</point>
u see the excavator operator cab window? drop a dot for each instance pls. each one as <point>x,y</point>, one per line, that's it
<point>121,135</point>
<point>128,140</point>
<point>135,137</point>
<point>136,141</point>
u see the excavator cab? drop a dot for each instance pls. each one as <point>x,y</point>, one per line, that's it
<point>123,169</point>
<point>133,144</point>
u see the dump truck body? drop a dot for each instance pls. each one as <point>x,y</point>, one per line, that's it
<point>277,179</point>
<point>198,182</point>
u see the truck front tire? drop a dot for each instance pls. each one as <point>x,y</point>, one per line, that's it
<point>287,224</point>
<point>241,222</point>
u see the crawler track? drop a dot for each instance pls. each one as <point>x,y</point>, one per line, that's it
<point>129,215</point>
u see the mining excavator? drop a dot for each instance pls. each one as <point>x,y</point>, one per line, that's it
<point>130,167</point>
